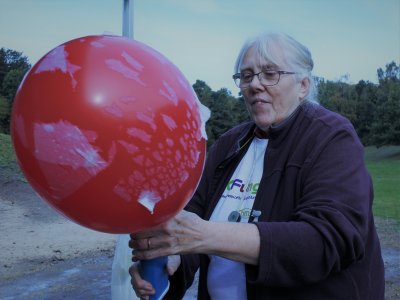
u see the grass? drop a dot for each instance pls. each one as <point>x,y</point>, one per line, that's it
<point>383,164</point>
<point>7,155</point>
<point>8,162</point>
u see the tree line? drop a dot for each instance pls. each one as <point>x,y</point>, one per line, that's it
<point>373,109</point>
<point>13,66</point>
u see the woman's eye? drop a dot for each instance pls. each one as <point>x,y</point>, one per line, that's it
<point>269,74</point>
<point>247,77</point>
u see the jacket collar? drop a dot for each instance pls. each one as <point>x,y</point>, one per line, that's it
<point>276,133</point>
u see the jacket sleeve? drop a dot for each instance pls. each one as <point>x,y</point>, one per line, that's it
<point>328,229</point>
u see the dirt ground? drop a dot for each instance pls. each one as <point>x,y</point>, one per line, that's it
<point>45,256</point>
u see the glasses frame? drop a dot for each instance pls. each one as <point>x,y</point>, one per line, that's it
<point>236,77</point>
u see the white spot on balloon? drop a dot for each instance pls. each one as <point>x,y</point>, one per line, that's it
<point>138,176</point>
<point>114,110</point>
<point>195,155</point>
<point>121,190</point>
<point>130,148</point>
<point>57,60</point>
<point>60,146</point>
<point>169,93</point>
<point>147,119</point>
<point>178,156</point>
<point>184,176</point>
<point>140,134</point>
<point>48,128</point>
<point>52,139</point>
<point>169,122</point>
<point>157,155</point>
<point>97,44</point>
<point>92,161</point>
<point>133,62</point>
<point>124,70</point>
<point>149,200</point>
<point>139,159</point>
<point>183,143</point>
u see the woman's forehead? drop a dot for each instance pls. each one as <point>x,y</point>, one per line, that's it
<point>264,58</point>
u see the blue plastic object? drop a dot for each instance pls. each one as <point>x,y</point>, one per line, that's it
<point>153,271</point>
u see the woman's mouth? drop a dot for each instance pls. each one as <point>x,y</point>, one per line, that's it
<point>259,102</point>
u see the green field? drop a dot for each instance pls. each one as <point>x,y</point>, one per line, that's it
<point>383,164</point>
<point>7,156</point>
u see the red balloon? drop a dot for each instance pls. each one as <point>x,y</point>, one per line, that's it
<point>109,133</point>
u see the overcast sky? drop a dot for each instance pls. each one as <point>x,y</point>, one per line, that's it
<point>203,37</point>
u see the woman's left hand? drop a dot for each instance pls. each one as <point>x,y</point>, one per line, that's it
<point>188,233</point>
<point>182,234</point>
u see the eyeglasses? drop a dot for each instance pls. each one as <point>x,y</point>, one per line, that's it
<point>266,78</point>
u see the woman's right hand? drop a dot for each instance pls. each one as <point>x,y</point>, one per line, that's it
<point>143,288</point>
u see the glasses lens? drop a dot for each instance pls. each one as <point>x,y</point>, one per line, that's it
<point>269,77</point>
<point>237,82</point>
<point>244,79</point>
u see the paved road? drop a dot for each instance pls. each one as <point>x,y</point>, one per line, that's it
<point>84,278</point>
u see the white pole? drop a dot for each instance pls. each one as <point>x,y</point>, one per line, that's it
<point>127,19</point>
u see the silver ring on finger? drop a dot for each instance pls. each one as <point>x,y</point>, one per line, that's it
<point>148,244</point>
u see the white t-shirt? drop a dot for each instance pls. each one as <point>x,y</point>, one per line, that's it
<point>226,278</point>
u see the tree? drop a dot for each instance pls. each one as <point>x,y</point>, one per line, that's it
<point>340,97</point>
<point>222,112</point>
<point>386,125</point>
<point>5,109</point>
<point>226,110</point>
<point>11,83</point>
<point>203,92</point>
<point>365,110</point>
<point>392,73</point>
<point>13,67</point>
<point>11,60</point>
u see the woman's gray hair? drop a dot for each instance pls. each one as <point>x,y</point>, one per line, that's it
<point>296,55</point>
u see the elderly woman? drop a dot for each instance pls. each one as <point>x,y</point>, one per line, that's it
<point>283,209</point>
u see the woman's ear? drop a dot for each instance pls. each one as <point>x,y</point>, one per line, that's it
<point>304,87</point>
